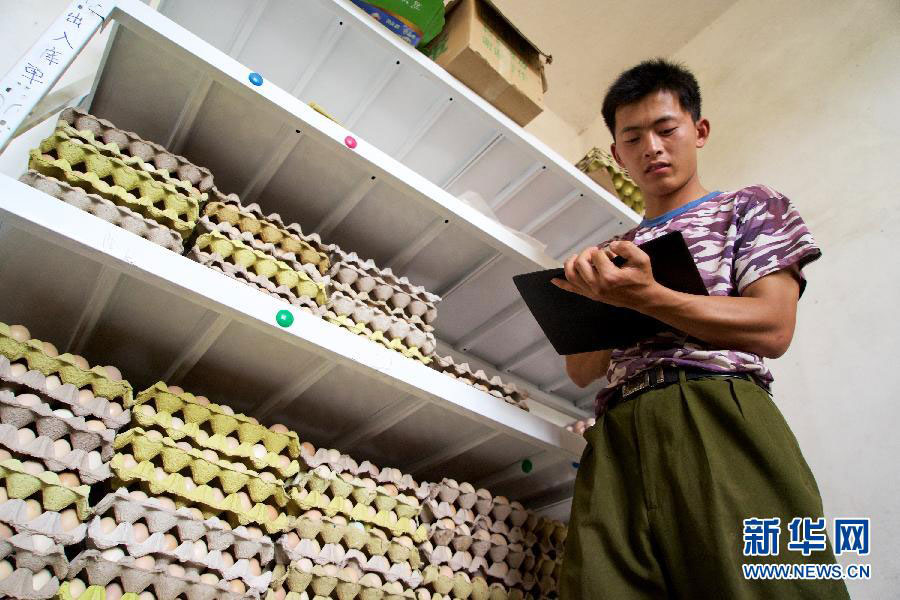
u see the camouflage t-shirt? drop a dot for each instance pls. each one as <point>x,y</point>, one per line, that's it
<point>735,238</point>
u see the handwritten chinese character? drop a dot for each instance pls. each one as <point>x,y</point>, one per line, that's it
<point>64,36</point>
<point>32,74</point>
<point>98,6</point>
<point>51,55</point>
<point>807,535</point>
<point>851,535</point>
<point>75,19</point>
<point>761,536</point>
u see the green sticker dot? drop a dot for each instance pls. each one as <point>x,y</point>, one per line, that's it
<point>527,466</point>
<point>284,318</point>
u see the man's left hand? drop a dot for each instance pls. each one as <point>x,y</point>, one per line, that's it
<point>593,275</point>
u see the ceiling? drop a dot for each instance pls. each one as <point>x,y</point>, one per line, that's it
<point>592,42</point>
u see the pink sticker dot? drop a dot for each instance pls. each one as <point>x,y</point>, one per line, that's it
<point>350,141</point>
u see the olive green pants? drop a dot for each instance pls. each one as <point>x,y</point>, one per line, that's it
<point>663,488</point>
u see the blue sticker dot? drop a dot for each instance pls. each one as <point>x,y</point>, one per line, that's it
<point>575,465</point>
<point>255,78</point>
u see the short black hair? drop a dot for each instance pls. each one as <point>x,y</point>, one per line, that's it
<point>646,78</point>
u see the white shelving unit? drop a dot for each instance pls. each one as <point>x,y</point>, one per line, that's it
<point>157,315</point>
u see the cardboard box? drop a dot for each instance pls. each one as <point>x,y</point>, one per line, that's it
<point>484,50</point>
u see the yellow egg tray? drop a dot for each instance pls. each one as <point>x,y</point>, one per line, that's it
<point>353,538</point>
<point>54,495</point>
<point>164,453</point>
<point>322,479</point>
<point>94,592</point>
<point>383,519</point>
<point>63,366</point>
<point>219,422</point>
<point>319,583</point>
<point>602,168</point>
<point>377,336</point>
<point>276,271</point>
<point>202,496</point>
<point>150,192</point>
<point>112,150</point>
<point>272,235</point>
<point>132,144</point>
<point>148,418</point>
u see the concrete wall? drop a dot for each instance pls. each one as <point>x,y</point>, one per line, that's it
<point>803,96</point>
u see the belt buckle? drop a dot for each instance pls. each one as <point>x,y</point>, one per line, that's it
<point>642,381</point>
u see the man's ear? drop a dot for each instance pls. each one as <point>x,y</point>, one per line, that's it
<point>703,128</point>
<point>612,150</point>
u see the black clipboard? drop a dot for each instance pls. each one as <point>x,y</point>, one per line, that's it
<point>576,324</point>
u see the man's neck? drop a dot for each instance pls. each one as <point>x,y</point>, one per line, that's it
<point>660,205</point>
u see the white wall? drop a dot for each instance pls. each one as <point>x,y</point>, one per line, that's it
<point>804,96</point>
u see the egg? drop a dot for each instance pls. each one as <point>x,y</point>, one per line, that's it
<point>196,513</point>
<point>85,397</point>
<point>280,594</point>
<point>94,460</point>
<point>307,449</point>
<point>25,436</point>
<point>244,500</point>
<point>68,519</point>
<point>5,531</point>
<point>19,333</point>
<point>170,542</point>
<point>113,373</point>
<point>113,554</point>
<point>284,462</point>
<point>349,574</point>
<point>76,588</point>
<point>61,447</point>
<point>201,400</point>
<point>199,551</point>
<point>3,495</point>
<point>166,503</point>
<point>175,570</point>
<point>63,413</point>
<point>291,540</point>
<point>114,409</point>
<point>138,495</point>
<point>278,428</point>
<point>154,435</point>
<point>226,410</point>
<point>253,420</point>
<point>147,409</point>
<point>313,515</point>
<point>237,586</point>
<point>305,565</point>
<point>189,485</point>
<point>176,389</point>
<point>176,423</point>
<point>28,400</point>
<point>18,369</point>
<point>95,425</point>
<point>160,474</point>
<point>255,568</point>
<point>107,524</point>
<point>113,591</point>
<point>81,362</point>
<point>227,560</point>
<point>258,451</point>
<point>32,467</point>
<point>141,532</point>
<point>254,532</point>
<point>146,596</point>
<point>6,569</point>
<point>210,455</point>
<point>217,495</point>
<point>40,579</point>
<point>201,436</point>
<point>41,543</point>
<point>267,477</point>
<point>146,562</point>
<point>184,446</point>
<point>209,579</point>
<point>70,480</point>
<point>231,443</point>
<point>128,461</point>
<point>32,509</point>
<point>271,513</point>
<point>50,350</point>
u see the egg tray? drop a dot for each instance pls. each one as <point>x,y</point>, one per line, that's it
<point>202,496</point>
<point>164,453</point>
<point>459,586</point>
<point>371,300</point>
<point>376,313</point>
<point>162,421</point>
<point>603,169</point>
<point>35,553</point>
<point>94,592</point>
<point>414,352</point>
<point>131,144</point>
<point>323,479</point>
<point>54,495</point>
<point>15,513</point>
<point>124,536</point>
<point>339,556</point>
<point>126,509</point>
<point>479,379</point>
<point>41,448</point>
<point>112,150</point>
<point>364,276</point>
<point>459,539</point>
<point>114,180</point>
<point>511,572</point>
<point>248,430</point>
<point>164,586</point>
<point>63,365</point>
<point>265,233</point>
<point>20,584</point>
<point>120,216</point>
<point>383,519</point>
<point>301,576</point>
<point>342,463</point>
<point>444,496</point>
<point>65,394</point>
<point>351,537</point>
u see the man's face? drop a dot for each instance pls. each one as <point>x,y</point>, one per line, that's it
<point>657,141</point>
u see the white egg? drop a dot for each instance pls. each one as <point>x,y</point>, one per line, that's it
<point>19,333</point>
<point>25,436</point>
<point>95,425</point>
<point>114,409</point>
<point>85,397</point>
<point>63,413</point>
<point>94,459</point>
<point>146,596</point>
<point>189,485</point>
<point>32,467</point>
<point>166,503</point>
<point>259,451</point>
<point>184,446</point>
<point>40,579</point>
<point>209,579</point>
<point>227,410</point>
<point>279,428</point>
<point>107,524</point>
<point>201,436</point>
<point>231,443</point>
<point>113,373</point>
<point>128,461</point>
<point>177,423</point>
<point>6,569</point>
<point>176,570</point>
<point>76,588</point>
<point>199,551</point>
<point>3,495</point>
<point>176,389</point>
<point>41,543</point>
<point>267,477</point>
<point>68,519</point>
<point>201,400</point>
<point>18,369</point>
<point>160,474</point>
<point>70,480</point>
<point>147,410</point>
<point>218,496</point>
<point>113,591</point>
<point>154,435</point>
<point>210,455</point>
<point>254,532</point>
<point>62,448</point>
<point>32,509</point>
<point>137,494</point>
<point>28,400</point>
<point>244,500</point>
<point>141,532</point>
<point>196,513</point>
<point>113,554</point>
<point>145,562</point>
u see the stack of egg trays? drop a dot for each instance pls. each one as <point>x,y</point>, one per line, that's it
<point>493,543</point>
<point>262,251</point>
<point>381,306</point>
<point>57,423</point>
<point>138,543</point>
<point>206,456</point>
<point>479,379</point>
<point>119,177</point>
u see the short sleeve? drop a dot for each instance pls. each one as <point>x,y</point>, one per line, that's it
<point>771,237</point>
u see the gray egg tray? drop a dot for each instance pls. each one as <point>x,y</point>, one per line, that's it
<point>15,513</point>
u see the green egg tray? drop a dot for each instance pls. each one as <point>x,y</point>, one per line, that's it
<point>378,337</point>
<point>55,496</point>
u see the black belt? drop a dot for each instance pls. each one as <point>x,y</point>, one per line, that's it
<point>655,377</point>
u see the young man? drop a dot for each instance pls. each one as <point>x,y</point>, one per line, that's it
<point>688,443</point>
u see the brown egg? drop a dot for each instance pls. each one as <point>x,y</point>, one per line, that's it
<point>201,400</point>
<point>291,539</point>
<point>267,477</point>
<point>50,350</point>
<point>145,562</point>
<point>4,455</point>
<point>28,400</point>
<point>6,569</point>
<point>280,594</point>
<point>244,500</point>
<point>32,467</point>
<point>18,369</point>
<point>170,542</point>
<point>5,531</point>
<point>68,519</point>
<point>41,578</point>
<point>279,428</point>
<point>32,509</point>
<point>85,397</point>
<point>284,462</point>
<point>255,568</point>
<point>114,591</point>
<point>227,560</point>
<point>113,373</point>
<point>26,436</point>
<point>61,448</point>
<point>141,532</point>
<point>114,409</point>
<point>271,513</point>
<point>209,579</point>
<point>107,524</point>
<point>176,389</point>
<point>237,586</point>
<point>76,588</point>
<point>254,532</point>
<point>176,570</point>
<point>307,449</point>
<point>81,362</point>
<point>19,333</point>
<point>95,425</point>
